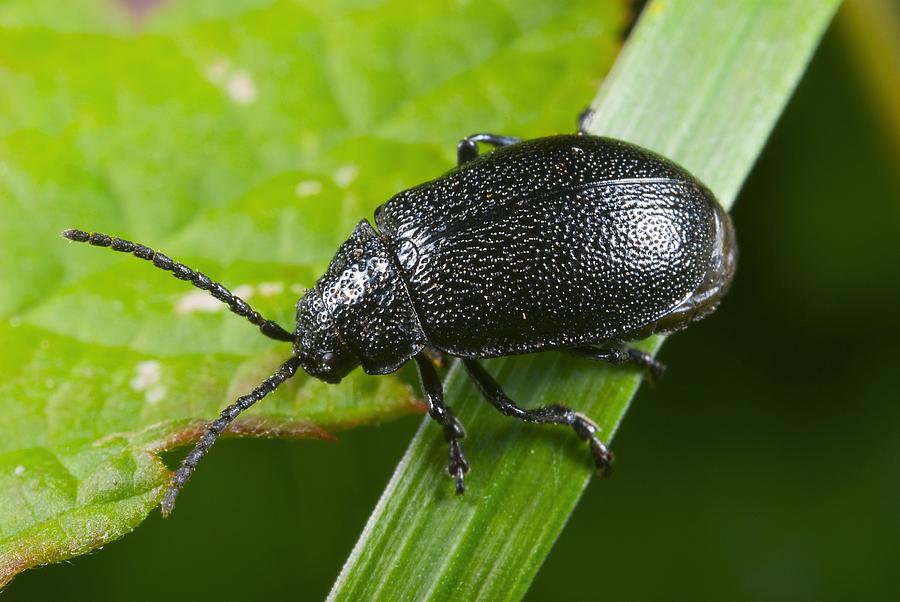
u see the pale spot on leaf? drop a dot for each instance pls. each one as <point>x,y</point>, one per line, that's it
<point>241,88</point>
<point>147,375</point>
<point>307,188</point>
<point>198,301</point>
<point>244,291</point>
<point>218,70</point>
<point>270,289</point>
<point>147,380</point>
<point>344,176</point>
<point>155,394</point>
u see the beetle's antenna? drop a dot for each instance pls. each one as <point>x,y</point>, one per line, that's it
<point>182,272</point>
<point>215,428</point>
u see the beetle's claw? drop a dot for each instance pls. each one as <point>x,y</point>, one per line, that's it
<point>458,466</point>
<point>584,119</point>
<point>603,458</point>
<point>655,372</point>
<point>460,484</point>
<point>653,368</point>
<point>606,471</point>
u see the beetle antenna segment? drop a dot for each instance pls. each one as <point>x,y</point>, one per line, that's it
<point>182,272</point>
<point>215,428</point>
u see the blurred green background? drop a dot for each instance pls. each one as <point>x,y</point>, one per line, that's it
<point>763,467</point>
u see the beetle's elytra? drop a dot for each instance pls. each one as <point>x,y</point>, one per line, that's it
<point>570,242</point>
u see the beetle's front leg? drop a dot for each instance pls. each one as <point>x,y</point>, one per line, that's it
<point>457,466</point>
<point>467,149</point>
<point>555,414</point>
<point>619,353</point>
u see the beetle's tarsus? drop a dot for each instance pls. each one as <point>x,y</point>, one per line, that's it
<point>618,353</point>
<point>605,467</point>
<point>587,429</point>
<point>654,368</point>
<point>457,465</point>
<point>467,149</point>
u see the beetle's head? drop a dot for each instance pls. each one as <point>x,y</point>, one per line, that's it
<point>317,343</point>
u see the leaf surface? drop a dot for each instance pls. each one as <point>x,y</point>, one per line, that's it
<point>245,139</point>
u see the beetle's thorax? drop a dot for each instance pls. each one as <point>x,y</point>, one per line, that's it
<point>359,313</point>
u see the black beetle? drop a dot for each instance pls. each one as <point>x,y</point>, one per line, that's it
<point>570,242</point>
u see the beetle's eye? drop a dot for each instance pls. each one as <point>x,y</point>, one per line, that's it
<point>329,360</point>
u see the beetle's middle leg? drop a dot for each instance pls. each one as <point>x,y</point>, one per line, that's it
<point>619,353</point>
<point>457,466</point>
<point>467,149</point>
<point>555,414</point>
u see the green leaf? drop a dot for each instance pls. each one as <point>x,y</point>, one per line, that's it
<point>702,83</point>
<point>244,138</point>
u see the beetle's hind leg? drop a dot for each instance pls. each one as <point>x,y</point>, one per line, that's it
<point>457,466</point>
<point>619,353</point>
<point>554,414</point>
<point>467,149</point>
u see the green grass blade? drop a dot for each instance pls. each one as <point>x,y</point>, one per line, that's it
<point>702,83</point>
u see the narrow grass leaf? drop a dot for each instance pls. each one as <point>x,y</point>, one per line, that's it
<point>700,82</point>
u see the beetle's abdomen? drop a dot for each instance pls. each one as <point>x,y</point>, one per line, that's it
<point>594,253</point>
